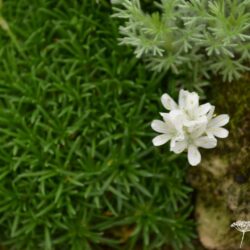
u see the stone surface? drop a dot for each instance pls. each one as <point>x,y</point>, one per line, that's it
<point>219,202</point>
<point>222,181</point>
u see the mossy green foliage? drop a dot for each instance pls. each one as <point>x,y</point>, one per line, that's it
<point>233,99</point>
<point>78,169</point>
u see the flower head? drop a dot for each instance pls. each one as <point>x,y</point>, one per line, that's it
<point>242,226</point>
<point>188,125</point>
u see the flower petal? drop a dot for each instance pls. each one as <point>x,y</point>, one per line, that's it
<point>168,103</point>
<point>198,127</point>
<point>166,117</point>
<point>177,118</point>
<point>174,120</point>
<point>206,142</point>
<point>210,113</point>
<point>194,156</point>
<point>219,121</point>
<point>161,139</point>
<point>160,126</point>
<point>192,101</point>
<point>193,124</point>
<point>188,100</point>
<point>178,146</point>
<point>219,132</point>
<point>182,98</point>
<point>210,134</point>
<point>204,109</point>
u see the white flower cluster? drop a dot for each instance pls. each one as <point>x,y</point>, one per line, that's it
<point>189,125</point>
<point>242,226</point>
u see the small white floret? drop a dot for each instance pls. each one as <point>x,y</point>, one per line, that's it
<point>242,226</point>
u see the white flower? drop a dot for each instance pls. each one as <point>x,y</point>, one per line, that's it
<point>189,126</point>
<point>242,226</point>
<point>168,103</point>
<point>193,142</point>
<point>188,103</point>
<point>214,126</point>
<point>171,128</point>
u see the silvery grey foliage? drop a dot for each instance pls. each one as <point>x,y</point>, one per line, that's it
<point>198,35</point>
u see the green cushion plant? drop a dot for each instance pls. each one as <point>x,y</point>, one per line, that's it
<point>78,168</point>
